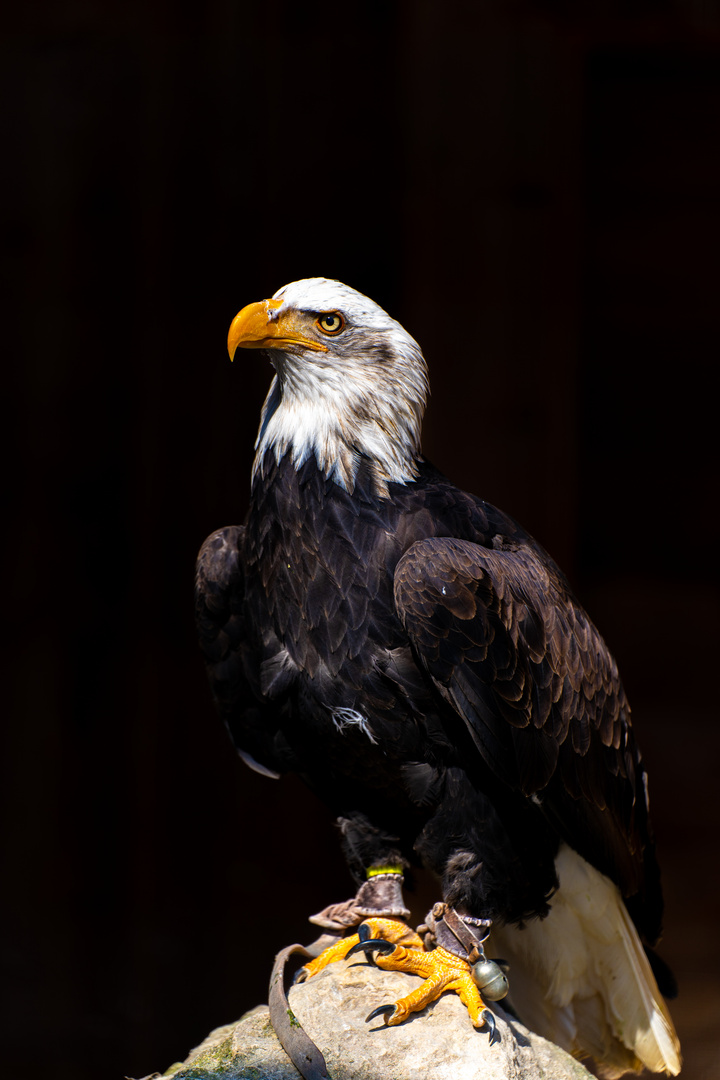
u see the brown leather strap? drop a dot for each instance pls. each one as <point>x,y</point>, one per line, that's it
<point>297,1044</point>
<point>460,929</point>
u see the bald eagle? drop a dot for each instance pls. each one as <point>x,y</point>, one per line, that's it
<point>413,654</point>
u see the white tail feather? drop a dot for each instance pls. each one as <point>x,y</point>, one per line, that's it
<point>581,978</point>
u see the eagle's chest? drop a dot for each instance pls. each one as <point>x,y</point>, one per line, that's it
<point>321,578</point>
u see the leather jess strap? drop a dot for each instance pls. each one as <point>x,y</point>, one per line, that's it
<point>461,930</point>
<point>297,1044</point>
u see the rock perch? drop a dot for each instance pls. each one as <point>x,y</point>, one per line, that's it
<point>440,1043</point>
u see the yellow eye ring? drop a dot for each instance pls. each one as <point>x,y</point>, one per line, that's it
<point>330,322</point>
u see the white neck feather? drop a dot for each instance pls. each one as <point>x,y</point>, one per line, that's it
<point>344,414</point>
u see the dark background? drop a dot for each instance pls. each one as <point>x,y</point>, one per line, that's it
<point>533,190</point>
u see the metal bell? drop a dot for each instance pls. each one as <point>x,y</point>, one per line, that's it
<point>490,980</point>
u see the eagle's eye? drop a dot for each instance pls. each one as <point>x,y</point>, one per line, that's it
<point>330,322</point>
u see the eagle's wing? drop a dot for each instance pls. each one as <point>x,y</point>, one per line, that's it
<point>505,643</point>
<point>224,641</point>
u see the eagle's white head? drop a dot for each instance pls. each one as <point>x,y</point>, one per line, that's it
<point>351,383</point>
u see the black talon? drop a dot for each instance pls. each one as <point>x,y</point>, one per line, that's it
<point>382,1010</point>
<point>372,945</point>
<point>489,1022</point>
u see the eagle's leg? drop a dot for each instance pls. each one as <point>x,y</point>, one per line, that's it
<point>379,897</point>
<point>378,901</point>
<point>377,864</point>
<point>456,963</point>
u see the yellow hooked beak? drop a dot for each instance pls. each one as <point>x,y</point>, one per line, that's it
<point>256,327</point>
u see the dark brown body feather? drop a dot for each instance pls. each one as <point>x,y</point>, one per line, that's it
<point>421,662</point>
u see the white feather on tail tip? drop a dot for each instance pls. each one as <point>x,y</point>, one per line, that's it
<point>580,977</point>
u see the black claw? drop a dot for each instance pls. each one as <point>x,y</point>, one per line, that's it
<point>382,1010</point>
<point>372,945</point>
<point>364,931</point>
<point>489,1022</point>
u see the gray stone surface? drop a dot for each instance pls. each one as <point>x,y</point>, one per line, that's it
<point>439,1043</point>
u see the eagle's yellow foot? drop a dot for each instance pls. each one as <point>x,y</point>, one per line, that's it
<point>389,932</point>
<point>440,969</point>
